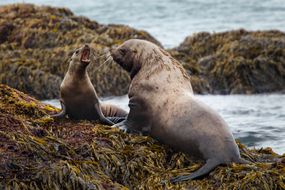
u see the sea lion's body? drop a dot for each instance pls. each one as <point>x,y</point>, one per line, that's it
<point>162,105</point>
<point>79,98</point>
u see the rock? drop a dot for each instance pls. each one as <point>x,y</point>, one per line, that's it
<point>235,62</point>
<point>37,152</point>
<point>35,42</point>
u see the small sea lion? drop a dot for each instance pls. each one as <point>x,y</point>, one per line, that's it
<point>162,105</point>
<point>78,96</point>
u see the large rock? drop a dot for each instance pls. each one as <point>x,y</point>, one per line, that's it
<point>37,152</point>
<point>235,62</point>
<point>35,42</point>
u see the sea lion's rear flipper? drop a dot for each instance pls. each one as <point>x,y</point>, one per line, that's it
<point>209,166</point>
<point>62,113</point>
<point>102,118</point>
<point>110,110</point>
<point>242,161</point>
<point>117,119</point>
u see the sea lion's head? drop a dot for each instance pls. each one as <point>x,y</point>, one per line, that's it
<point>133,54</point>
<point>82,56</point>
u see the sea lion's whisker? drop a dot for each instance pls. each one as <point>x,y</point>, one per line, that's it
<point>108,59</point>
<point>97,57</point>
<point>107,54</point>
<point>101,65</point>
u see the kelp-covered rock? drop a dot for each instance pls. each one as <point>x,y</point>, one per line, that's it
<point>35,42</point>
<point>235,62</point>
<point>37,152</point>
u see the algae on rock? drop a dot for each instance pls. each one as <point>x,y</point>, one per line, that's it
<point>37,152</point>
<point>235,62</point>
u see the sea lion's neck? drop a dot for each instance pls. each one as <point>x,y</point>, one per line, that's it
<point>135,69</point>
<point>78,71</point>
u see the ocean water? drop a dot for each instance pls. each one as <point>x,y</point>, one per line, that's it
<point>257,120</point>
<point>170,21</point>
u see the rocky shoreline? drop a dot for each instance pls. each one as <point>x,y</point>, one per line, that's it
<point>35,42</point>
<point>37,152</point>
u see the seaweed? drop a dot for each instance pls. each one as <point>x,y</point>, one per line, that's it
<point>37,152</point>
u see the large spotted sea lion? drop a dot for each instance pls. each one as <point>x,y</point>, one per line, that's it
<point>78,96</point>
<point>162,105</point>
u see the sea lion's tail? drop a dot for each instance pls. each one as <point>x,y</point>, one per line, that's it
<point>209,166</point>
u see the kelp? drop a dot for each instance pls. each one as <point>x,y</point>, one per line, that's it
<point>38,152</point>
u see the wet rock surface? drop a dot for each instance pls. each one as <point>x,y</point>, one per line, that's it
<point>37,152</point>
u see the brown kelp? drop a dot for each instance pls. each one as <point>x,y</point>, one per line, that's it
<point>37,152</point>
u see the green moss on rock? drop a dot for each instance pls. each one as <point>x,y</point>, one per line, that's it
<point>37,152</point>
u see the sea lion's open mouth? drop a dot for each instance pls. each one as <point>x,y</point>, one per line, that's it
<point>85,55</point>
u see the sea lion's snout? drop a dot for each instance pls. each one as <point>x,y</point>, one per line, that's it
<point>113,53</point>
<point>85,54</point>
<point>126,57</point>
<point>118,55</point>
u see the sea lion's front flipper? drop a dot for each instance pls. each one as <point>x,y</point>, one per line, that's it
<point>102,118</point>
<point>62,113</point>
<point>209,166</point>
<point>126,127</point>
<point>122,125</point>
<point>137,121</point>
<point>117,119</point>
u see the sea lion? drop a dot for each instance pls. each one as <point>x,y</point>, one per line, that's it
<point>78,96</point>
<point>162,105</point>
